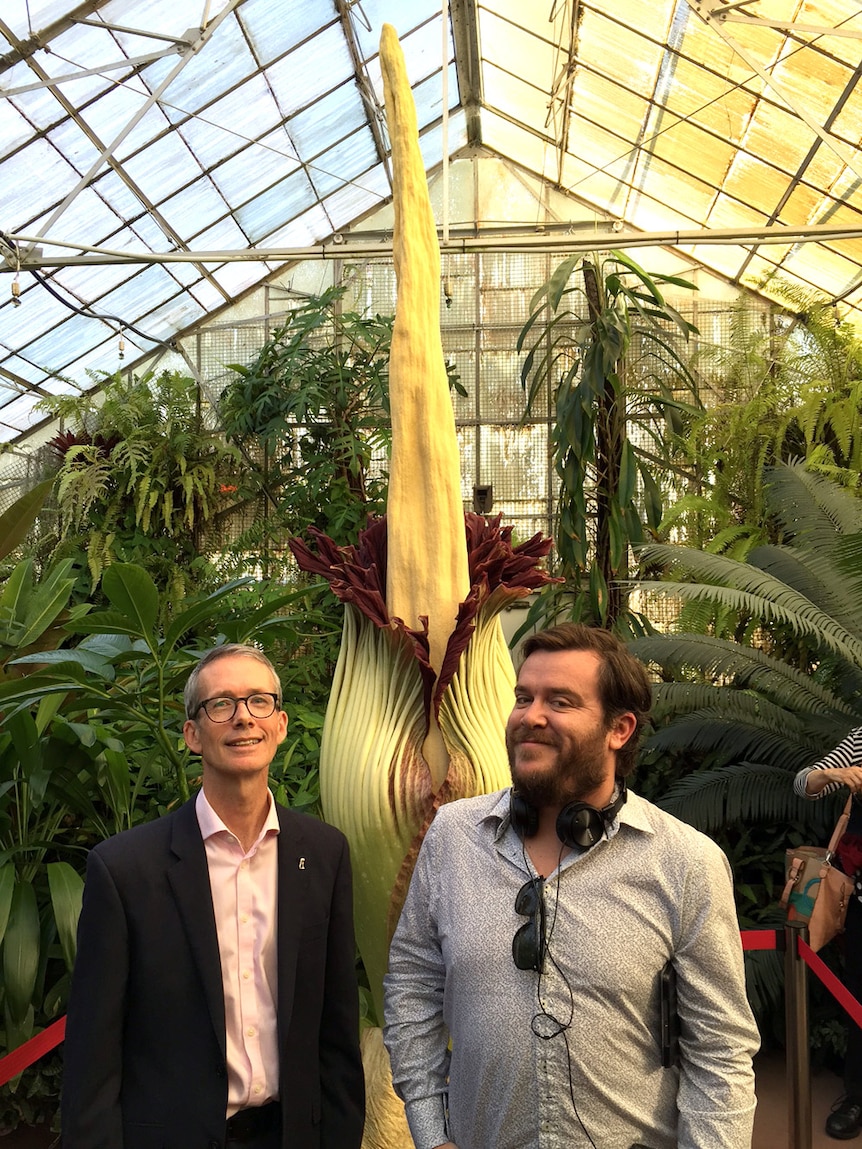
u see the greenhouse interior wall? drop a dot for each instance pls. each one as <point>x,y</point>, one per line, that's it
<point>485,300</point>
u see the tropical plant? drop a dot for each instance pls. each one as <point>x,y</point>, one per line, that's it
<point>310,414</point>
<point>30,607</point>
<point>418,703</point>
<point>141,477</point>
<point>605,353</point>
<point>18,518</point>
<point>761,677</point>
<point>787,384</point>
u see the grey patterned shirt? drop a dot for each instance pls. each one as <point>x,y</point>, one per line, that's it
<point>571,1058</point>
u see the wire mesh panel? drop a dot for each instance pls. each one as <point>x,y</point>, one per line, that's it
<point>506,452</point>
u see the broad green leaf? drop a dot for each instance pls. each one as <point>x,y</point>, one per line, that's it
<point>67,888</point>
<point>46,711</point>
<point>17,1032</point>
<point>44,608</point>
<point>27,747</point>
<point>17,589</point>
<point>628,474</point>
<point>559,279</point>
<point>7,885</point>
<point>204,609</point>
<point>17,520</point>
<point>109,622</point>
<point>86,663</point>
<point>652,497</point>
<point>21,946</point>
<point>617,538</point>
<point>133,593</point>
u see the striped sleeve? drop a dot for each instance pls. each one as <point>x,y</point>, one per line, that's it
<point>846,753</point>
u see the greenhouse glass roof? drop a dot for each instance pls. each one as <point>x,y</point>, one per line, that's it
<point>159,159</point>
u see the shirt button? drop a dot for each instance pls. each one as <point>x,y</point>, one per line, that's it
<point>244,866</point>
<point>244,919</point>
<point>245,975</point>
<point>258,1089</point>
<point>250,1031</point>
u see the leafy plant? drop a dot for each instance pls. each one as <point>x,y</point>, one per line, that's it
<point>19,517</point>
<point>605,350</point>
<point>786,385</point>
<point>310,414</point>
<point>141,477</point>
<point>766,678</point>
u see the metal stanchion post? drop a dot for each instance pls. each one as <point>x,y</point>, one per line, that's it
<point>796,1016</point>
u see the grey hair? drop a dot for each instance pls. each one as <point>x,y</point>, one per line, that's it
<point>190,694</point>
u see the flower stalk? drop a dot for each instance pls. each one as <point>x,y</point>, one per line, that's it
<point>423,685</point>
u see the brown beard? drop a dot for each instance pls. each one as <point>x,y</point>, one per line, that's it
<point>574,777</point>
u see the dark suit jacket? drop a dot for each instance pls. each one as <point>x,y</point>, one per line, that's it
<point>145,1038</point>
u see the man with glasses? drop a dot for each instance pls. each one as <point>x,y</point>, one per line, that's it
<point>214,1000</point>
<point>567,969</point>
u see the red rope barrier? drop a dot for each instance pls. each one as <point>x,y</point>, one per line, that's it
<point>759,939</point>
<point>841,994</point>
<point>24,1056</point>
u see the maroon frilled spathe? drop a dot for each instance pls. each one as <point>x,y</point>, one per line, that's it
<point>500,573</point>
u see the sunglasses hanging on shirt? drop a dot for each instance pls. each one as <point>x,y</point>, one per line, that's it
<point>528,944</point>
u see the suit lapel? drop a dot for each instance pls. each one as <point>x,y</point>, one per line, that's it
<point>292,893</point>
<point>189,880</point>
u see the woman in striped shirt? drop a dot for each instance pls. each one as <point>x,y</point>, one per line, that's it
<point>842,767</point>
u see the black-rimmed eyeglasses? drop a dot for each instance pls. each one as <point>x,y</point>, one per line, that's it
<point>528,944</point>
<point>223,709</point>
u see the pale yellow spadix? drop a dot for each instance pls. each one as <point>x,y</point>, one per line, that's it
<point>427,570</point>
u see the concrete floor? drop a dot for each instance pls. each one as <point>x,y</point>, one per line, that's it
<point>770,1121</point>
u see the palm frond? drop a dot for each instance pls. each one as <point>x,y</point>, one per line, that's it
<point>817,576</point>
<point>768,601</point>
<point>811,508</point>
<point>750,791</point>
<point>713,734</point>
<point>742,667</point>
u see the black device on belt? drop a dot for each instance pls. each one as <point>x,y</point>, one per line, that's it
<point>250,1123</point>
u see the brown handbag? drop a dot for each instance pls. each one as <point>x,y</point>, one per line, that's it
<point>815,891</point>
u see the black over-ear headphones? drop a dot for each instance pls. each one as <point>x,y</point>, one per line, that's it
<point>579,825</point>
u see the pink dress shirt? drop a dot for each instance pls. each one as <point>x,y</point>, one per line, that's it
<point>244,888</point>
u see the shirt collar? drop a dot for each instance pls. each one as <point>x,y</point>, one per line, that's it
<point>210,823</point>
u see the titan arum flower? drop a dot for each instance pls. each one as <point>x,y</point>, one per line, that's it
<point>424,680</point>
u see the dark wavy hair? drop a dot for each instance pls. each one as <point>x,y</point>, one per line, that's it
<point>624,686</point>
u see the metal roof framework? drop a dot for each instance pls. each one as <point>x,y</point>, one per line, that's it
<point>151,173</point>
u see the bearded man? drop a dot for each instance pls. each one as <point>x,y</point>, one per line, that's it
<point>567,969</point>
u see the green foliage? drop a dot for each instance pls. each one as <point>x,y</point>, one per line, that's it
<point>761,677</point>
<point>310,414</point>
<point>17,519</point>
<point>141,477</point>
<point>606,351</point>
<point>786,385</point>
<point>30,608</point>
<point>770,681</point>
